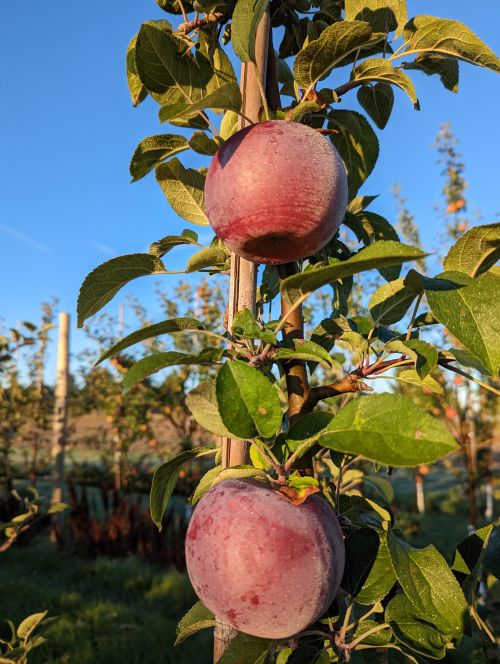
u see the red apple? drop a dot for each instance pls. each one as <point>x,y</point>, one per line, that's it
<point>260,563</point>
<point>276,192</point>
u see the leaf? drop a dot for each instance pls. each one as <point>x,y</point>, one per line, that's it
<point>356,341</point>
<point>382,15</point>
<point>217,255</point>
<point>468,560</point>
<point>391,301</point>
<point>226,97</point>
<point>102,284</point>
<point>245,649</point>
<point>381,576</point>
<point>424,355</point>
<point>361,547</point>
<point>389,429</point>
<point>198,617</point>
<point>378,69</point>
<point>228,125</point>
<point>379,638</point>
<point>308,428</point>
<point>315,61</point>
<point>163,246</point>
<point>357,144</point>
<point>430,586</point>
<point>430,63</point>
<point>183,188</point>
<point>165,479</point>
<point>377,100</point>
<point>202,144</point>
<point>202,402</point>
<point>305,350</point>
<point>29,624</point>
<point>467,360</point>
<point>168,76</point>
<point>154,363</point>
<point>205,483</point>
<point>413,629</point>
<point>492,555</point>
<point>153,150</point>
<point>151,331</point>
<point>447,37</point>
<point>377,255</point>
<point>360,203</point>
<point>248,403</point>
<point>370,227</point>
<point>136,89</point>
<point>246,327</point>
<point>411,376</point>
<point>471,313</point>
<point>246,18</point>
<point>475,252</point>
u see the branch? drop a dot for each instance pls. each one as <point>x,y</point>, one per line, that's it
<point>198,23</point>
<point>353,382</point>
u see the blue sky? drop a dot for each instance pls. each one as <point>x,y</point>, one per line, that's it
<point>68,130</point>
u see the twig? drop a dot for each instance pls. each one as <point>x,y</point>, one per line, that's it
<point>197,23</point>
<point>353,382</point>
<point>444,363</point>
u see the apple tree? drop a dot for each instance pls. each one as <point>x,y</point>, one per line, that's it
<point>287,437</point>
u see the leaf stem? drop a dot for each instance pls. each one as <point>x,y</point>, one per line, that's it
<point>362,637</point>
<point>490,388</point>
<point>414,315</point>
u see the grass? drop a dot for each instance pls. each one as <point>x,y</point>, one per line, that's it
<point>111,611</point>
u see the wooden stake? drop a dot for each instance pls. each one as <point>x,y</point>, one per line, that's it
<point>243,277</point>
<point>60,410</point>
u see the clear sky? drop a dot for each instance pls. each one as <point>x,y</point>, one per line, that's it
<point>68,130</point>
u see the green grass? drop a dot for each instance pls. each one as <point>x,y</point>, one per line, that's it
<point>111,611</point>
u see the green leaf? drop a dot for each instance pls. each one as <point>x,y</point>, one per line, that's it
<point>391,301</point>
<point>202,144</point>
<point>357,144</point>
<point>209,257</point>
<point>248,403</point>
<point>411,376</point>
<point>361,547</point>
<point>377,100</point>
<point>316,60</point>
<point>165,479</point>
<point>381,576</point>
<point>475,252</point>
<point>379,638</point>
<point>379,254</point>
<point>228,125</point>
<point>183,188</point>
<point>306,430</point>
<point>154,363</point>
<point>413,629</point>
<point>168,242</point>
<point>137,91</point>
<point>102,284</point>
<point>468,560</point>
<point>151,331</point>
<point>360,203</point>
<point>430,586</point>
<point>424,355</point>
<point>447,37</point>
<point>246,18</point>
<point>168,76</point>
<point>29,624</point>
<point>356,341</point>
<point>492,555</point>
<point>301,349</point>
<point>382,15</point>
<point>198,617</point>
<point>389,429</point>
<point>238,472</point>
<point>202,402</point>
<point>153,150</point>
<point>471,312</point>
<point>226,97</point>
<point>378,69</point>
<point>467,360</point>
<point>246,327</point>
<point>205,483</point>
<point>445,68</point>
<point>370,227</point>
<point>245,649</point>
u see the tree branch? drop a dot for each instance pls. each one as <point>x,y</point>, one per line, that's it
<point>353,382</point>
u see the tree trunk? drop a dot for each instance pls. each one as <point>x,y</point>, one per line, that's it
<point>60,412</point>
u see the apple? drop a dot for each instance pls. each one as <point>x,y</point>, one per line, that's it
<point>276,192</point>
<point>261,564</point>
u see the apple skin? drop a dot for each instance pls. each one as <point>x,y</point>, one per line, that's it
<point>276,192</point>
<point>260,563</point>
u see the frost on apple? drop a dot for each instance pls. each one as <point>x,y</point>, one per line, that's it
<point>261,564</point>
<point>276,192</point>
